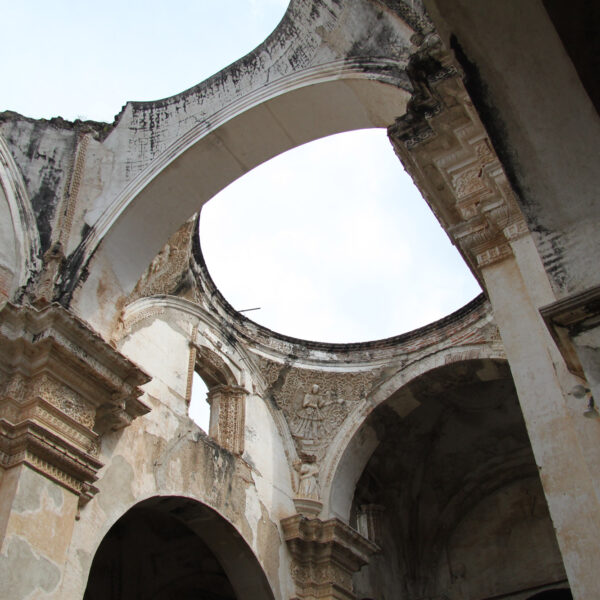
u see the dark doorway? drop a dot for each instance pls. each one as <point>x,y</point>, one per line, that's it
<point>173,547</point>
<point>150,555</point>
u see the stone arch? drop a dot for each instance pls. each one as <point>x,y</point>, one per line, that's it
<point>197,166</point>
<point>353,445</point>
<point>212,368</point>
<point>451,471</point>
<point>186,524</point>
<point>19,253</point>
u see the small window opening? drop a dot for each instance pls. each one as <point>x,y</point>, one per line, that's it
<point>199,410</point>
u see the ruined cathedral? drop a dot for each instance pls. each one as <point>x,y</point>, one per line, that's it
<point>458,461</point>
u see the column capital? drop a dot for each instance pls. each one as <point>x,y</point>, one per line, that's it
<point>325,556</point>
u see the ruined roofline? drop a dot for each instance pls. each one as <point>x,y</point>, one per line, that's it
<point>255,332</point>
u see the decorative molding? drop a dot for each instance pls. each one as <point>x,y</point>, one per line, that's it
<point>325,556</point>
<point>445,148</point>
<point>72,191</point>
<point>190,374</point>
<point>61,388</point>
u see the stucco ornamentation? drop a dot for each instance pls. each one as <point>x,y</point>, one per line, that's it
<point>227,416</point>
<point>454,165</point>
<point>61,382</point>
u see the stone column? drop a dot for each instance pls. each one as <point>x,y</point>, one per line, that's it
<point>227,416</point>
<point>325,556</point>
<point>370,517</point>
<point>444,147</point>
<point>61,388</point>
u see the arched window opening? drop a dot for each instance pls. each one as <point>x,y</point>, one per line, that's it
<point>216,402</point>
<point>199,410</point>
<point>334,243</point>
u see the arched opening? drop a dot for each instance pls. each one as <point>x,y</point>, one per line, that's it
<point>174,547</point>
<point>200,164</point>
<point>451,492</point>
<point>216,402</point>
<point>333,242</point>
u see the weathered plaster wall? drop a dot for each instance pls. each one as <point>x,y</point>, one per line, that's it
<point>505,544</point>
<point>43,152</point>
<point>38,516</point>
<point>168,454</point>
<point>9,259</point>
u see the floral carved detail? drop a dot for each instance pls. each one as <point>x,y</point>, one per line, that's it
<point>68,401</point>
<point>227,416</point>
<point>168,269</point>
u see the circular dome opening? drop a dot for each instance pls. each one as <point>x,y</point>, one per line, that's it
<point>334,243</point>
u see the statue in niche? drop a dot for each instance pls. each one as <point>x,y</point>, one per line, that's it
<point>309,420</point>
<point>308,473</point>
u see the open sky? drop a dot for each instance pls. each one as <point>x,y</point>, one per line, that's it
<point>331,239</point>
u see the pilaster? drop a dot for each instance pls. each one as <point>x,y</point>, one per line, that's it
<point>61,388</point>
<point>227,416</point>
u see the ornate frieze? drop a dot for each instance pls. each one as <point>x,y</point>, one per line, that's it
<point>454,164</point>
<point>325,556</point>
<point>61,388</point>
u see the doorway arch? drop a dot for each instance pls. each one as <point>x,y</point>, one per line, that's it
<point>171,546</point>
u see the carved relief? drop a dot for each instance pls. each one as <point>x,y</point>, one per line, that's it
<point>454,166</point>
<point>64,398</point>
<point>315,403</point>
<point>166,272</point>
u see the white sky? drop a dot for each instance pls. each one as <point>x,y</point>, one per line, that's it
<point>331,239</point>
